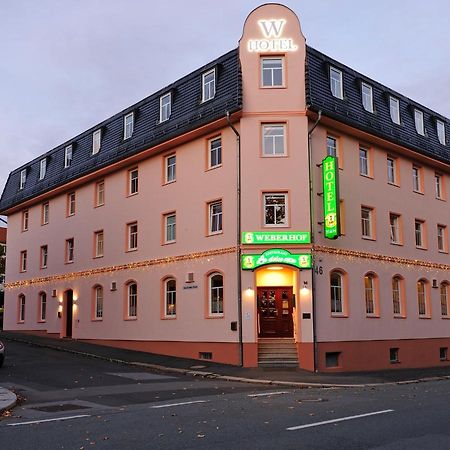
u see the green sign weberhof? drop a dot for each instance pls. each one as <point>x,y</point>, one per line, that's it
<point>276,237</point>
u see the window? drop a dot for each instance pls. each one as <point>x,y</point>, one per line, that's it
<point>42,306</point>
<point>98,244</point>
<point>419,228</point>
<point>363,161</point>
<point>370,294</point>
<point>422,297</point>
<point>367,222</point>
<point>132,236</point>
<point>70,247</point>
<point>133,181</point>
<point>215,217</point>
<point>336,83</point>
<point>25,220</point>
<point>438,186</point>
<point>391,170</point>
<point>44,256</point>
<point>367,97</point>
<point>337,292</point>
<point>418,121</point>
<point>394,108</point>
<point>128,126</point>
<point>23,178</point>
<point>171,166</point>
<point>96,141</point>
<point>100,193</point>
<point>71,203</point>
<point>417,179</point>
<point>45,213</point>
<point>42,168</point>
<point>443,353</point>
<point>170,297</point>
<point>442,238</point>
<point>393,355</point>
<point>21,308</point>
<point>275,211</point>
<point>332,146</point>
<point>394,222</point>
<point>67,156</point>
<point>441,131</point>
<point>273,140</point>
<point>272,72</point>
<point>165,107</point>
<point>215,153</point>
<point>132,300</point>
<point>208,85</point>
<point>98,305</point>
<point>170,227</point>
<point>396,296</point>
<point>443,290</point>
<point>215,294</point>
<point>23,261</point>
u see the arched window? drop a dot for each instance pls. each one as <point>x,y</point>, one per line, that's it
<point>397,295</point>
<point>170,297</point>
<point>132,299</point>
<point>444,299</point>
<point>370,294</point>
<point>98,305</point>
<point>21,308</point>
<point>422,297</point>
<point>215,294</point>
<point>42,306</point>
<point>337,292</point>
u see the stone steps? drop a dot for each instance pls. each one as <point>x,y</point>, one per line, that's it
<point>277,352</point>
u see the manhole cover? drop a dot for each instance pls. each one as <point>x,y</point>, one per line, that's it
<point>59,408</point>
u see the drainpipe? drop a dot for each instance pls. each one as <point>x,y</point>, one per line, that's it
<point>238,237</point>
<point>311,224</point>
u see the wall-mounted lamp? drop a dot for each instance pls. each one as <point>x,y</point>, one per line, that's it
<point>249,291</point>
<point>305,287</point>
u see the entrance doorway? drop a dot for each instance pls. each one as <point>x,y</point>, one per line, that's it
<point>69,312</point>
<point>275,311</point>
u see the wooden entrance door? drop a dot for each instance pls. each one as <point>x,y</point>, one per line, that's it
<point>275,311</point>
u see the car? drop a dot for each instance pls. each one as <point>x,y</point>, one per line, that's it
<point>2,353</point>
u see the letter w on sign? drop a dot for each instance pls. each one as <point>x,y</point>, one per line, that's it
<point>272,28</point>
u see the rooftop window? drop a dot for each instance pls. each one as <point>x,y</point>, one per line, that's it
<point>336,83</point>
<point>367,97</point>
<point>42,168</point>
<point>23,178</point>
<point>96,141</point>
<point>441,131</point>
<point>128,126</point>
<point>394,108</point>
<point>208,85</point>
<point>165,107</point>
<point>418,120</point>
<point>67,156</point>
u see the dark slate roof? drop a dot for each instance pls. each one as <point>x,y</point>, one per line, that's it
<point>351,112</point>
<point>188,113</point>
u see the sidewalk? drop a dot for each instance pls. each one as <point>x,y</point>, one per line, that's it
<point>276,376</point>
<point>7,399</point>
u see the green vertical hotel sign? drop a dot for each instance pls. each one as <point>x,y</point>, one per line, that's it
<point>330,180</point>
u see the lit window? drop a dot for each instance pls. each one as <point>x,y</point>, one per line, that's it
<point>442,238</point>
<point>42,168</point>
<point>170,227</point>
<point>23,261</point>
<point>438,186</point>
<point>71,202</point>
<point>100,193</point>
<point>332,146</point>
<point>128,126</point>
<point>215,152</point>
<point>272,72</point>
<point>133,181</point>
<point>98,243</point>
<point>422,297</point>
<point>132,300</point>
<point>396,296</point>
<point>98,307</point>
<point>394,221</point>
<point>419,226</point>
<point>215,294</point>
<point>367,97</point>
<point>70,247</point>
<point>170,297</point>
<point>369,294</point>
<point>25,220</point>
<point>391,170</point>
<point>68,156</point>
<point>444,299</point>
<point>275,209</point>
<point>366,222</point>
<point>208,85</point>
<point>44,256</point>
<point>363,161</point>
<point>42,306</point>
<point>45,213</point>
<point>417,179</point>
<point>23,178</point>
<point>21,308</point>
<point>273,140</point>
<point>394,108</point>
<point>171,166</point>
<point>165,107</point>
<point>336,83</point>
<point>215,217</point>
<point>337,292</point>
<point>418,121</point>
<point>132,236</point>
<point>96,141</point>
<point>441,131</point>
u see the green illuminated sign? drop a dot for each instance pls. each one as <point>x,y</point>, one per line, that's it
<point>276,256</point>
<point>276,237</point>
<point>330,180</point>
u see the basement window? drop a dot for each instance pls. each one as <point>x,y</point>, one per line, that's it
<point>443,353</point>
<point>332,359</point>
<point>393,355</point>
<point>205,355</point>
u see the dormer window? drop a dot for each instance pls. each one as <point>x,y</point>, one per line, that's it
<point>23,178</point>
<point>96,141</point>
<point>367,97</point>
<point>42,168</point>
<point>67,156</point>
<point>128,126</point>
<point>208,85</point>
<point>394,108</point>
<point>441,131</point>
<point>165,107</point>
<point>336,83</point>
<point>418,120</point>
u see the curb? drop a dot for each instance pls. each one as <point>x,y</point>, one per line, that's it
<point>7,399</point>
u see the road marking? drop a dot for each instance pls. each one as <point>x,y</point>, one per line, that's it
<point>264,394</point>
<point>316,424</point>
<point>47,420</point>
<point>179,404</point>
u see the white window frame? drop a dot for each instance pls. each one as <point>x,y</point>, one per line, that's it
<point>396,288</point>
<point>68,156</point>
<point>208,87</point>
<point>419,227</point>
<point>25,220</point>
<point>171,168</point>
<point>438,185</point>
<point>42,306</point>
<point>270,142</point>
<point>44,256</point>
<point>45,213</point>
<point>266,196</point>
<point>99,303</point>
<point>367,222</point>
<point>23,260</point>
<point>100,193</point>
<point>367,96</point>
<point>170,229</point>
<point>370,294</point>
<point>271,71</point>
<point>23,178</point>
<point>42,168</point>
<point>440,128</point>
<point>337,293</point>
<point>364,163</point>
<point>132,236</point>
<point>214,152</point>
<point>394,227</point>
<point>133,181</point>
<point>417,181</point>
<point>132,299</point>
<point>422,297</point>
<point>170,298</point>
<point>70,250</point>
<point>391,164</point>
<point>128,125</point>
<point>394,109</point>
<point>96,141</point>
<point>165,107</point>
<point>99,243</point>
<point>442,238</point>
<point>22,300</point>
<point>418,122</point>
<point>215,217</point>
<point>71,203</point>
<point>215,292</point>
<point>336,83</point>
<point>332,150</point>
<point>443,296</point>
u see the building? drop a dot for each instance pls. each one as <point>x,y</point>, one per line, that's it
<point>2,262</point>
<point>274,206</point>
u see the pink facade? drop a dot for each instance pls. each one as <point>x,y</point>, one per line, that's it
<point>114,252</point>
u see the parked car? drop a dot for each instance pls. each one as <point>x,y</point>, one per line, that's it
<point>2,353</point>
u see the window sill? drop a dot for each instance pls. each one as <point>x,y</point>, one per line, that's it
<point>445,317</point>
<point>169,243</point>
<point>70,215</point>
<point>169,317</point>
<point>213,168</point>
<point>441,199</point>
<point>130,250</point>
<point>99,206</point>
<point>68,262</point>
<point>166,183</point>
<point>283,86</point>
<point>276,226</point>
<point>132,194</point>
<point>394,362</point>
<point>393,184</point>
<point>339,315</point>
<point>424,317</point>
<point>97,319</point>
<point>215,233</point>
<point>418,192</point>
<point>399,316</point>
<point>41,321</point>
<point>206,100</point>
<point>282,155</point>
<point>97,257</point>
<point>421,248</point>
<point>370,177</point>
<point>444,252</point>
<point>20,322</point>
<point>43,224</point>
<point>398,244</point>
<point>130,319</point>
<point>368,238</point>
<point>372,316</point>
<point>43,268</point>
<point>215,316</point>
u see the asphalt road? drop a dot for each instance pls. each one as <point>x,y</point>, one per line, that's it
<point>75,402</point>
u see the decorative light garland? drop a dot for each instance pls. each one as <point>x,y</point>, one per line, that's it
<point>113,269</point>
